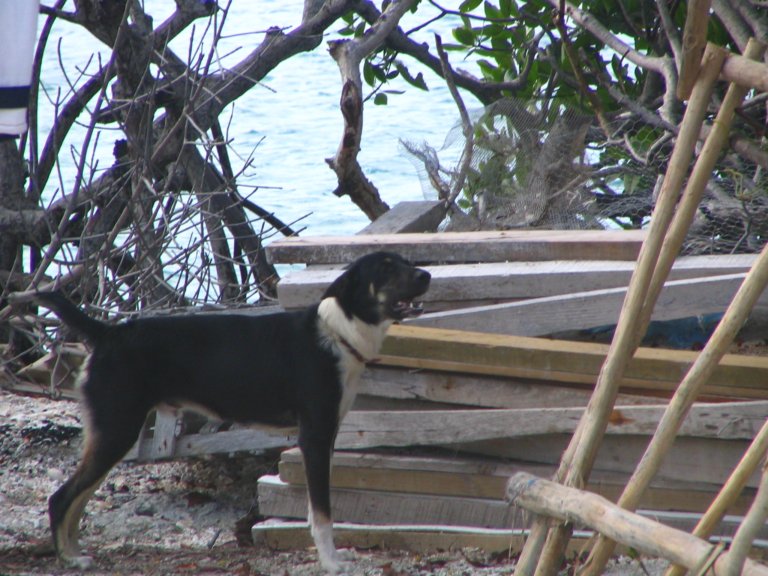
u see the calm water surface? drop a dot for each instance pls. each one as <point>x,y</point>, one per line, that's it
<point>289,124</point>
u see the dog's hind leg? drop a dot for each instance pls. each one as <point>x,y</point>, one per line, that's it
<point>66,506</point>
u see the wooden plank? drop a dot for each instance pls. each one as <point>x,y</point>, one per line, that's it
<point>369,429</point>
<point>505,281</point>
<point>373,507</point>
<point>224,442</point>
<point>653,369</point>
<point>487,246</point>
<point>167,425</point>
<point>376,507</point>
<point>687,298</point>
<point>285,535</point>
<point>476,390</point>
<point>708,461</point>
<point>403,217</point>
<point>485,478</point>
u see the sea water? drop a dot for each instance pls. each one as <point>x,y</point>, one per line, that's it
<point>288,124</point>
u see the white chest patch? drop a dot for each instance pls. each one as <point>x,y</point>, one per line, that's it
<point>341,333</point>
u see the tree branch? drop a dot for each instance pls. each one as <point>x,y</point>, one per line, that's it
<point>349,54</point>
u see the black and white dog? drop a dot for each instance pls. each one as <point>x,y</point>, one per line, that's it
<point>302,365</point>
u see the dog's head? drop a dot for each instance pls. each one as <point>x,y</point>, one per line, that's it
<point>379,287</point>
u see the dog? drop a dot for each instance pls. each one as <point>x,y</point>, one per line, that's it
<point>301,367</point>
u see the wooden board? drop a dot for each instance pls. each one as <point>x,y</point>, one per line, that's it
<point>689,298</point>
<point>460,284</point>
<point>476,390</point>
<point>286,535</point>
<point>486,478</point>
<point>652,369</point>
<point>490,246</point>
<point>403,217</point>
<point>374,507</point>
<point>226,442</point>
<point>370,429</point>
<point>705,460</point>
<point>278,499</point>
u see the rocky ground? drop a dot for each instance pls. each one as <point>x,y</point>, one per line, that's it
<point>188,517</point>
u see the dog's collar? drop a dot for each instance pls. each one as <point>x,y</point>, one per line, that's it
<point>354,351</point>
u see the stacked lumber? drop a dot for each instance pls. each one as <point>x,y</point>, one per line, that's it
<point>470,394</point>
<point>463,492</point>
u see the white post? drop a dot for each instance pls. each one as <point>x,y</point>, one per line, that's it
<point>18,35</point>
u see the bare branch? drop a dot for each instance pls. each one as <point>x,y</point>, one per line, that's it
<point>349,54</point>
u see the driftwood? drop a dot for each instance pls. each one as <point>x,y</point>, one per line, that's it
<point>349,55</point>
<point>644,535</point>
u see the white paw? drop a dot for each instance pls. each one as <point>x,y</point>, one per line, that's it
<point>78,562</point>
<point>339,562</point>
<point>344,555</point>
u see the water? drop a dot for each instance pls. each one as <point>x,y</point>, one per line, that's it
<point>290,123</point>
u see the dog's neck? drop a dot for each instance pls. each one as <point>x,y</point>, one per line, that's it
<point>357,338</point>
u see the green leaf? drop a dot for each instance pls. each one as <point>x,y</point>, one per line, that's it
<point>469,5</point>
<point>417,81</point>
<point>508,8</point>
<point>368,74</point>
<point>491,11</point>
<point>464,36</point>
<point>380,99</point>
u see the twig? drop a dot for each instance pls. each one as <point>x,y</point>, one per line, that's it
<point>466,124</point>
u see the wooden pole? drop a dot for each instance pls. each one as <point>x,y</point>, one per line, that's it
<point>730,491</point>
<point>544,497</point>
<point>748,530</point>
<point>702,172</point>
<point>694,41</point>
<point>718,344</point>
<point>578,458</point>
<point>745,72</point>
<point>662,440</point>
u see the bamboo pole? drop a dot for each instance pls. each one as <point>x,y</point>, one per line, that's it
<point>717,138</point>
<point>745,72</point>
<point>662,440</point>
<point>748,530</point>
<point>730,491</point>
<point>694,41</point>
<point>578,458</point>
<point>648,537</point>
<point>718,345</point>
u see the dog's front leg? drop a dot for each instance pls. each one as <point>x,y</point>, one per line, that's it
<point>317,450</point>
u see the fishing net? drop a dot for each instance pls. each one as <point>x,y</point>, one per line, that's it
<point>556,167</point>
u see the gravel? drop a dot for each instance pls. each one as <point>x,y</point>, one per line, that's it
<point>185,517</point>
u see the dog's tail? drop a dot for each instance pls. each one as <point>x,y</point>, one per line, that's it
<point>85,326</point>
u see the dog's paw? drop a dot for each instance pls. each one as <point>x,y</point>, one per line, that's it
<point>78,562</point>
<point>345,555</point>
<point>340,561</point>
